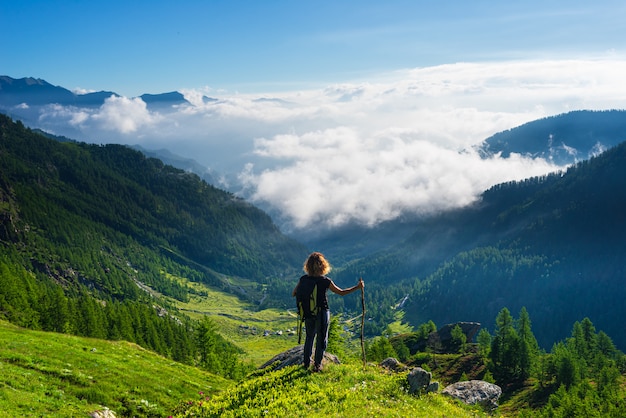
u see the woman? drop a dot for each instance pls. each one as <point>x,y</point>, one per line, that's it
<point>316,268</point>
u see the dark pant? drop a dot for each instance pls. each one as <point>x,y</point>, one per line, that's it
<point>316,326</point>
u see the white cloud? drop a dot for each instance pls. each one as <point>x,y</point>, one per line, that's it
<point>124,115</point>
<point>338,176</point>
<point>80,90</point>
<point>364,151</point>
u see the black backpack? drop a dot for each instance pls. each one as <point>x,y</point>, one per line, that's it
<point>306,301</point>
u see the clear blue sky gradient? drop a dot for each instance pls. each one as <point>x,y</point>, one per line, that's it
<point>136,47</point>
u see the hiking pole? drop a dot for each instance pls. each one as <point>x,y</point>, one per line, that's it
<point>363,323</point>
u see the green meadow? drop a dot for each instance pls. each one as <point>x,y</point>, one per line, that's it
<point>51,374</point>
<point>261,334</point>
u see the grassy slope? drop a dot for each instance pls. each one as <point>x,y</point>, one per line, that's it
<point>232,315</point>
<point>345,390</point>
<point>49,374</point>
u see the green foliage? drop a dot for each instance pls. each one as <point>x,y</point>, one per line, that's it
<point>114,188</point>
<point>484,342</point>
<point>458,338</point>
<point>514,351</point>
<point>336,342</point>
<point>408,344</point>
<point>379,349</point>
<point>582,400</point>
<point>216,354</point>
<point>579,377</point>
<point>401,349</point>
<point>505,353</point>
<point>566,366</point>
<point>339,391</point>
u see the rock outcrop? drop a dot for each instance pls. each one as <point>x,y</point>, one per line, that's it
<point>393,365</point>
<point>475,392</point>
<point>294,356</point>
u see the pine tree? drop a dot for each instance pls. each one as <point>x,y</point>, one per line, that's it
<point>484,341</point>
<point>529,348</point>
<point>505,349</point>
<point>566,366</point>
<point>380,349</point>
<point>459,338</point>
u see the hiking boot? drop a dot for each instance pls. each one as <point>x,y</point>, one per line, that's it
<point>317,368</point>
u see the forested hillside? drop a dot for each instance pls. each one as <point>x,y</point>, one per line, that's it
<point>554,244</point>
<point>563,139</point>
<point>91,235</point>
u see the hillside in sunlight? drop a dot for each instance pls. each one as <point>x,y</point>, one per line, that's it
<point>95,241</point>
<point>51,374</point>
<point>344,390</point>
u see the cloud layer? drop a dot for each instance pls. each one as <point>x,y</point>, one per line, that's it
<point>365,151</point>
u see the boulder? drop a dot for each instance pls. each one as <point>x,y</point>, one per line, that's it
<point>419,379</point>
<point>432,387</point>
<point>105,413</point>
<point>393,365</point>
<point>475,392</point>
<point>295,356</point>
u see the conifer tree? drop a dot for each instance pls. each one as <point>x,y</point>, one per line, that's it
<point>459,338</point>
<point>505,349</point>
<point>484,341</point>
<point>529,348</point>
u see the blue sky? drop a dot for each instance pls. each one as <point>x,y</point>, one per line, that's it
<point>136,47</point>
<point>384,96</point>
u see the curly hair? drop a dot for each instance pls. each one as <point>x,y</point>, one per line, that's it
<point>316,265</point>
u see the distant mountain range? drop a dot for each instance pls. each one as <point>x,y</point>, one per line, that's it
<point>37,92</point>
<point>562,139</point>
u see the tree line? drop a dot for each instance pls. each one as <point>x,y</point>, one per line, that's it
<point>581,375</point>
<point>30,300</point>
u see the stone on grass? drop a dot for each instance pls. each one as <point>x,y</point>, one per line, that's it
<point>475,392</point>
<point>295,356</point>
<point>419,379</point>
<point>393,365</point>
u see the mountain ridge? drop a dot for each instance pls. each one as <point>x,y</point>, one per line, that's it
<point>563,139</point>
<point>37,92</point>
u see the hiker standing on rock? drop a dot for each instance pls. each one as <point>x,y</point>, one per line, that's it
<point>310,293</point>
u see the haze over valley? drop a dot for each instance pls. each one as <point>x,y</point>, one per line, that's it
<point>316,158</point>
<point>166,168</point>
